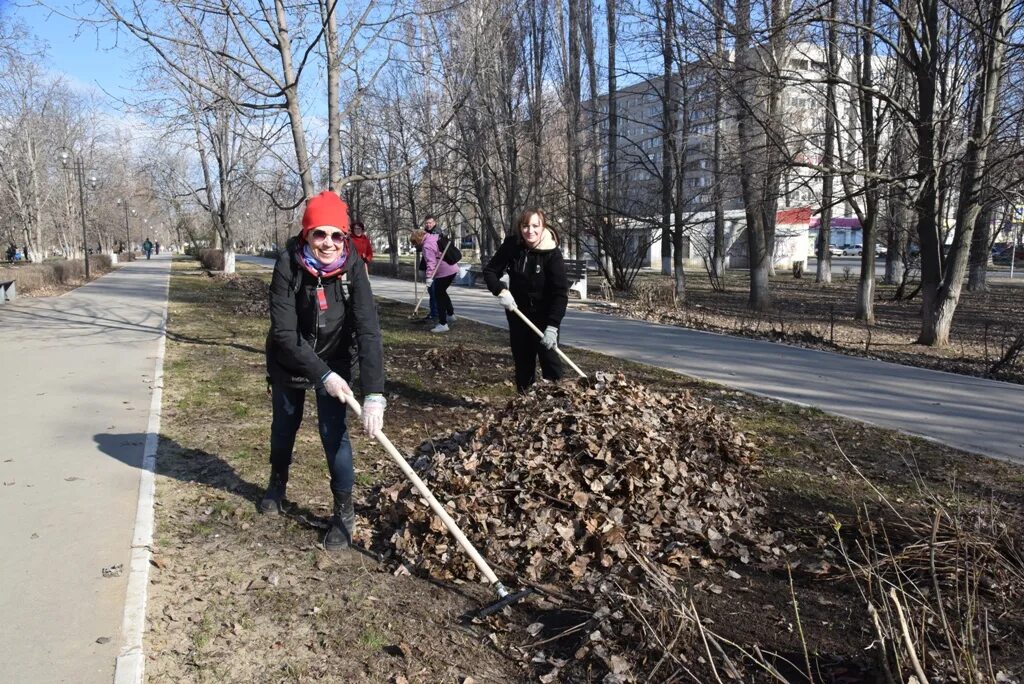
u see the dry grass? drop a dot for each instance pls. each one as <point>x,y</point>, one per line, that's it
<point>238,597</point>
<point>54,277</point>
<point>804,313</point>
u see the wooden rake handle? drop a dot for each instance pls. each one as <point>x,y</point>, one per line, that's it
<point>535,329</point>
<point>435,505</point>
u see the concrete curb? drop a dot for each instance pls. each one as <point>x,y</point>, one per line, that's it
<point>131,663</point>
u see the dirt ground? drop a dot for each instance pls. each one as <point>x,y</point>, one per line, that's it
<point>822,316</point>
<point>239,597</point>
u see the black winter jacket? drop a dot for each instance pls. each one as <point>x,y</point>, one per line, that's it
<point>536,277</point>
<point>299,351</point>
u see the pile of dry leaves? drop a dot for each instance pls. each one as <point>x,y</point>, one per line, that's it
<point>454,358</point>
<point>256,296</point>
<point>571,486</point>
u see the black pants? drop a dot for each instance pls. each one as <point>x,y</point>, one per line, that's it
<point>444,302</point>
<point>526,349</point>
<point>288,404</point>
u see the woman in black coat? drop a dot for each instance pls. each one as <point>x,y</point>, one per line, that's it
<point>313,318</point>
<point>537,286</point>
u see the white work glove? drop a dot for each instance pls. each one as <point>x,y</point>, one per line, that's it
<point>373,413</point>
<point>550,339</point>
<point>507,300</point>
<point>335,386</point>
<point>430,281</point>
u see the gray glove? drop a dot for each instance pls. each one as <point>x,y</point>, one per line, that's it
<point>507,300</point>
<point>550,339</point>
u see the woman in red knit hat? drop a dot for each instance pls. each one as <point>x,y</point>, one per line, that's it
<point>312,322</point>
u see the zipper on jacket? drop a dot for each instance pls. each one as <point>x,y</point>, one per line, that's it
<point>319,315</point>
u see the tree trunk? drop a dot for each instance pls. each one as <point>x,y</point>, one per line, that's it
<point>329,17</point>
<point>896,247</point>
<point>611,201</point>
<point>977,277</point>
<point>824,266</point>
<point>718,178</point>
<point>292,104</point>
<point>538,47</point>
<point>594,131</point>
<point>941,301</point>
<point>677,233</point>
<point>668,148</point>
<point>755,157</point>
<point>865,310</point>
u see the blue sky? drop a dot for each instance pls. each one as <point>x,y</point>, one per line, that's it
<point>87,56</point>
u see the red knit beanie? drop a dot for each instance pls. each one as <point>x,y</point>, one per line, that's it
<point>326,209</point>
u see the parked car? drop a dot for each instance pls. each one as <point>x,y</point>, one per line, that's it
<point>880,251</point>
<point>835,250</point>
<point>1003,255</point>
<point>853,250</point>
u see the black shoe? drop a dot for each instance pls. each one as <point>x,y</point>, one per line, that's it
<point>273,500</point>
<point>343,524</point>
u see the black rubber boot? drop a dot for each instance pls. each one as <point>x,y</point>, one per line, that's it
<point>273,500</point>
<point>343,524</point>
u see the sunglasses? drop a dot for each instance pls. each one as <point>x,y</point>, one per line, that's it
<point>337,237</point>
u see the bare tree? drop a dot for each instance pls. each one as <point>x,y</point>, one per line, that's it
<point>940,297</point>
<point>759,108</point>
<point>824,265</point>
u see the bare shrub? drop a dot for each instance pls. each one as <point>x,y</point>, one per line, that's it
<point>65,272</point>
<point>41,278</point>
<point>937,591</point>
<point>29,277</point>
<point>653,295</point>
<point>212,259</point>
<point>1009,357</point>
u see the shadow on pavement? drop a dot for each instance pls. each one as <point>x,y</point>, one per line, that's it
<point>195,465</point>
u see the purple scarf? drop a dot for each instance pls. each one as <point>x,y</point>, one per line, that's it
<point>318,269</point>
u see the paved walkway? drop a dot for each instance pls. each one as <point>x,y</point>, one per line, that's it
<point>77,373</point>
<point>973,414</point>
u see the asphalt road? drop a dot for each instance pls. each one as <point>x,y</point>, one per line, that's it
<point>77,373</point>
<point>973,414</point>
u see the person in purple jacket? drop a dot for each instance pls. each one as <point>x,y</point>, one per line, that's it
<point>440,275</point>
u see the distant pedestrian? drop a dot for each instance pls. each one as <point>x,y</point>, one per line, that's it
<point>538,288</point>
<point>440,275</point>
<point>361,241</point>
<point>11,251</point>
<point>157,247</point>
<point>147,247</point>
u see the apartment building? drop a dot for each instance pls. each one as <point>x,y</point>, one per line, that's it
<point>640,145</point>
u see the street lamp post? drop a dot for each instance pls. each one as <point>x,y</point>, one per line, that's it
<point>127,233</point>
<point>75,163</point>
